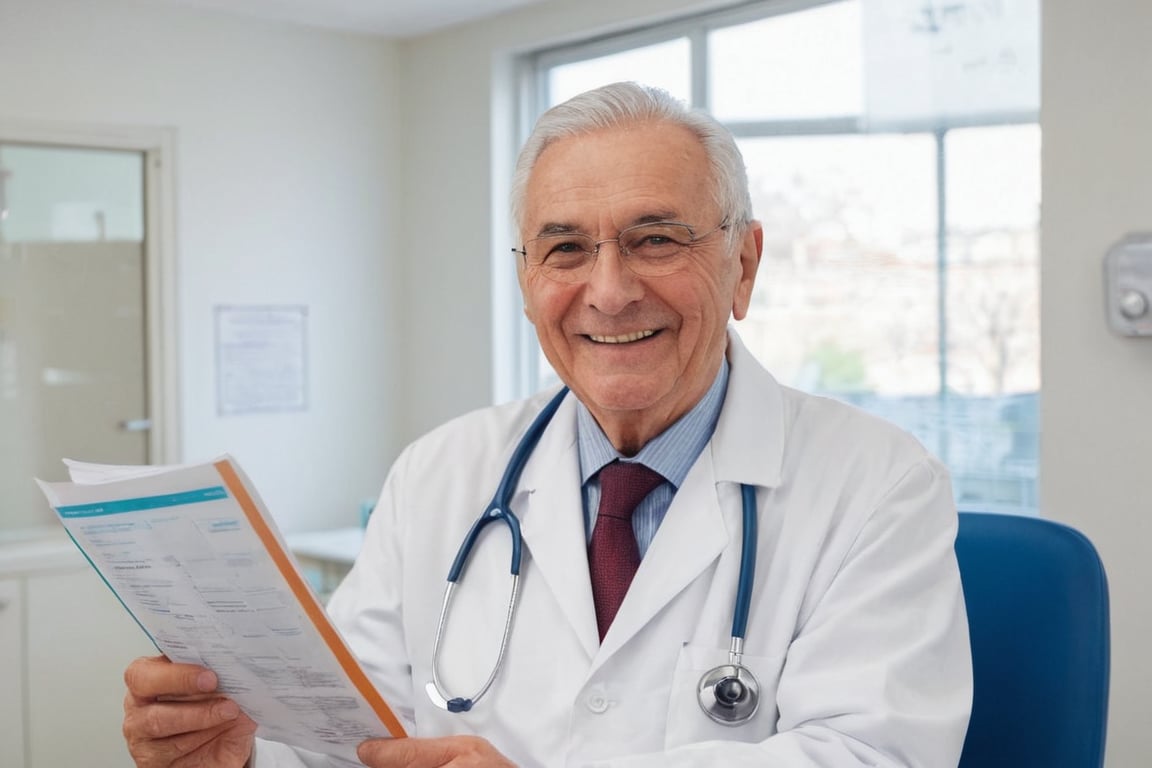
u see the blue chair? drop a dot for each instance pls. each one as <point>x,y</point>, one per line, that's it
<point>1037,600</point>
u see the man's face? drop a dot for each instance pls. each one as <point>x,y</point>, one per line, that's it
<point>639,352</point>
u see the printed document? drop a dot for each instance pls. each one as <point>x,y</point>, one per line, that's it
<point>193,555</point>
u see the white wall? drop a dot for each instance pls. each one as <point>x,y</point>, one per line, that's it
<point>1097,420</point>
<point>355,176</point>
<point>1096,446</point>
<point>286,186</point>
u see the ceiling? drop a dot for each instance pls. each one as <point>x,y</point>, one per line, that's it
<point>385,18</point>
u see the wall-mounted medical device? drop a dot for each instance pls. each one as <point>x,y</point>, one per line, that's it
<point>1128,285</point>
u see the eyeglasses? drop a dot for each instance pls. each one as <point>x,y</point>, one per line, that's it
<point>648,250</point>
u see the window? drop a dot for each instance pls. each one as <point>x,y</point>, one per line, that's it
<point>894,159</point>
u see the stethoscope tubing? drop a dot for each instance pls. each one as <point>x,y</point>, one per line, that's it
<point>747,562</point>
<point>500,508</point>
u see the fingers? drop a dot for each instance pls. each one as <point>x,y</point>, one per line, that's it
<point>445,752</point>
<point>172,718</point>
<point>409,753</point>
<point>160,720</point>
<point>209,746</point>
<point>170,735</point>
<point>224,746</point>
<point>150,677</point>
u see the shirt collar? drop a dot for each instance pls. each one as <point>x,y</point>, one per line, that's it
<point>671,453</point>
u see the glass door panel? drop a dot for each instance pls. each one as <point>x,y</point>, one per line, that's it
<point>72,322</point>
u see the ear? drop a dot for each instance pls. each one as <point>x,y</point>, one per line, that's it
<point>750,249</point>
<point>525,294</point>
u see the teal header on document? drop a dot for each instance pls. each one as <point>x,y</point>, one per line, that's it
<point>146,502</point>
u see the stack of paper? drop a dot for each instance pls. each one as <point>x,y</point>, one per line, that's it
<point>193,555</point>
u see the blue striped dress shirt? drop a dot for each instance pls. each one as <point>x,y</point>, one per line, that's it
<point>671,453</point>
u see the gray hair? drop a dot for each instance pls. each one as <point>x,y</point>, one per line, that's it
<point>623,104</point>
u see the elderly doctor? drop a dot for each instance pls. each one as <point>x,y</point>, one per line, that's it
<point>638,246</point>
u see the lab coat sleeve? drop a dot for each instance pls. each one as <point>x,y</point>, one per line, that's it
<point>273,754</point>
<point>368,606</point>
<point>879,671</point>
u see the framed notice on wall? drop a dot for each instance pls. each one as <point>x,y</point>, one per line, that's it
<point>261,359</point>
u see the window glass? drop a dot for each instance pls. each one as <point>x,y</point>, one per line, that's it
<point>935,63</point>
<point>993,260</point>
<point>993,310</point>
<point>664,65</point>
<point>901,255</point>
<point>793,66</point>
<point>845,301</point>
<point>848,300</point>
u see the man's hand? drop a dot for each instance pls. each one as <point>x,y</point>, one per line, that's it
<point>453,751</point>
<point>172,717</point>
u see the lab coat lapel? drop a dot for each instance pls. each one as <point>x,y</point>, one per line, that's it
<point>747,447</point>
<point>690,539</point>
<point>748,444</point>
<point>551,512</point>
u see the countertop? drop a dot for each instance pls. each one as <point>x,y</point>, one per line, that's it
<point>26,550</point>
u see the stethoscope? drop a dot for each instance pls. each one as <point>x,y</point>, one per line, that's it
<point>729,693</point>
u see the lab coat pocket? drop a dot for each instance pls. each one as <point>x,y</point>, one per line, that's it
<point>687,721</point>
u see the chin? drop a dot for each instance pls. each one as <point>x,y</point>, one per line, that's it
<point>624,395</point>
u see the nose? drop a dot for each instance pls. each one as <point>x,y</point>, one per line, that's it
<point>611,286</point>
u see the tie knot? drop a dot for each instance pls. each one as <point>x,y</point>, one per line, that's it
<point>623,486</point>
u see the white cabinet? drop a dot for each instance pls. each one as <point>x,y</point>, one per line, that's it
<point>80,639</point>
<point>65,639</point>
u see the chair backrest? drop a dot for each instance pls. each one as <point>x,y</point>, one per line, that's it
<point>1037,600</point>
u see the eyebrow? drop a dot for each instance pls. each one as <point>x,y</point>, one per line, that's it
<point>557,228</point>
<point>659,217</point>
<point>565,228</point>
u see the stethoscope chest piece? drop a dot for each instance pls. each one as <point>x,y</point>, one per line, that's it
<point>729,694</point>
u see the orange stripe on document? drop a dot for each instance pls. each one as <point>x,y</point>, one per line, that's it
<point>304,597</point>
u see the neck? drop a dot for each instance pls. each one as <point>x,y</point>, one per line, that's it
<point>630,431</point>
<point>628,439</point>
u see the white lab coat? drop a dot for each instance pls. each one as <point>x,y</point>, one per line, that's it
<point>857,631</point>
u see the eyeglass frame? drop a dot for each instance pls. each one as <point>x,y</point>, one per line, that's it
<point>594,254</point>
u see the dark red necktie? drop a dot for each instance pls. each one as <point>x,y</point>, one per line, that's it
<point>613,555</point>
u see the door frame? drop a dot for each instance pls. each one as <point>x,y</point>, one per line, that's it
<point>162,342</point>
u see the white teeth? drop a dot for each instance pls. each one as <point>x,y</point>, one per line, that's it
<point>621,339</point>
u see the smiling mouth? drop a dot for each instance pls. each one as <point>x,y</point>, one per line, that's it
<point>624,339</point>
